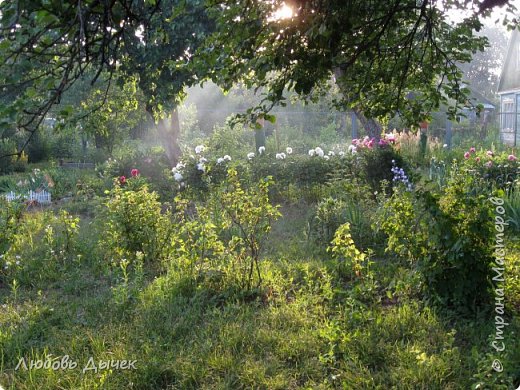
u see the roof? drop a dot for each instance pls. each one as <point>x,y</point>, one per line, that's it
<point>510,75</point>
<point>477,98</point>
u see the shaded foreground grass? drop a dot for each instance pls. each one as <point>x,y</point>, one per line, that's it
<point>303,329</point>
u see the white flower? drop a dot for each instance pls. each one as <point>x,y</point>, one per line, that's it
<point>203,160</point>
<point>17,263</point>
<point>250,156</point>
<point>326,157</point>
<point>278,156</point>
<point>261,149</point>
<point>319,151</point>
<point>220,160</point>
<point>178,167</point>
<point>312,152</point>
<point>227,157</point>
<point>199,149</point>
<point>352,149</point>
<point>445,145</point>
<point>289,150</point>
<point>331,153</point>
<point>200,167</point>
<point>177,176</point>
<point>341,154</point>
<point>17,257</point>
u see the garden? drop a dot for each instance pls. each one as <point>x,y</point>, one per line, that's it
<point>347,265</point>
<point>282,194</point>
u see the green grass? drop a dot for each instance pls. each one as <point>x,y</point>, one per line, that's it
<point>305,328</point>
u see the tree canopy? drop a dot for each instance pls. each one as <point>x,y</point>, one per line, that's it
<point>387,57</point>
<point>47,45</point>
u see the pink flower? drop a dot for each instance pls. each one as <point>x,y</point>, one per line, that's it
<point>382,142</point>
<point>466,155</point>
<point>390,137</point>
<point>355,141</point>
<point>134,172</point>
<point>489,164</point>
<point>477,159</point>
<point>122,180</point>
<point>472,150</point>
<point>489,153</point>
<point>512,157</point>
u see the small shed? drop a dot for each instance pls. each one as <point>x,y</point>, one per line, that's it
<point>509,92</point>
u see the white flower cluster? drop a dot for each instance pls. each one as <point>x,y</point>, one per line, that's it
<point>261,150</point>
<point>280,156</point>
<point>199,149</point>
<point>221,160</point>
<point>317,152</point>
<point>250,156</point>
<point>177,171</point>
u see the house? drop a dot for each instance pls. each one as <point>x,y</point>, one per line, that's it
<point>509,92</point>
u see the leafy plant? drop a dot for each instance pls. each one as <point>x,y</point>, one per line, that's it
<point>447,237</point>
<point>349,259</point>
<point>250,215</point>
<point>135,223</point>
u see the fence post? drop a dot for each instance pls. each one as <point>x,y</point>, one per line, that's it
<point>447,139</point>
<point>353,119</point>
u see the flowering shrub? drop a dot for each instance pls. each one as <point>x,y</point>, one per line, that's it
<point>375,165</point>
<point>307,173</point>
<point>151,164</point>
<point>400,177</point>
<point>499,170</point>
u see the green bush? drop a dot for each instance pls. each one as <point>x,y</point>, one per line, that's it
<point>135,224</point>
<point>375,166</point>
<point>447,236</point>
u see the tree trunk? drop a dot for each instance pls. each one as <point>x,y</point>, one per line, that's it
<point>371,126</point>
<point>341,119</point>
<point>169,131</point>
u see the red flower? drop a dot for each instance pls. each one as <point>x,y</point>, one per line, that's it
<point>135,172</point>
<point>122,180</point>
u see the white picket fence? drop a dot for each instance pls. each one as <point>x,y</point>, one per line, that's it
<point>42,197</point>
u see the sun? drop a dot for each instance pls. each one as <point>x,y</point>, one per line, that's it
<point>284,12</point>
